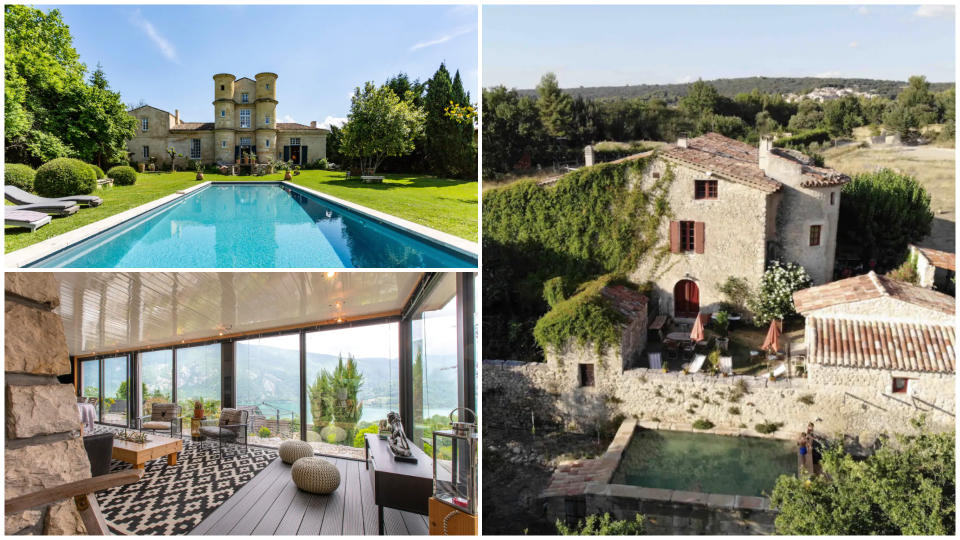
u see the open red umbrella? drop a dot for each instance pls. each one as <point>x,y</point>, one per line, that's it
<point>772,342</point>
<point>696,334</point>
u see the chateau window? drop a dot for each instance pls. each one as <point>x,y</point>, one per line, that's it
<point>832,199</point>
<point>146,152</point>
<point>223,143</point>
<point>815,235</point>
<point>244,118</point>
<point>221,87</point>
<point>266,120</point>
<point>586,375</point>
<point>900,385</point>
<point>705,189</point>
<point>194,148</point>
<point>223,113</point>
<point>244,141</point>
<point>294,141</point>
<point>144,123</point>
<point>266,143</point>
<point>686,236</point>
<point>268,86</point>
<point>244,98</point>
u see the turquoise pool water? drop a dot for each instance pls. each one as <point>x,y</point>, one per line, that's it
<point>702,462</point>
<point>251,225</point>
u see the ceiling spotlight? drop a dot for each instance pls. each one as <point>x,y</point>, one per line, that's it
<point>339,319</point>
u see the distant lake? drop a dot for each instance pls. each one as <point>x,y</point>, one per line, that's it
<point>370,414</point>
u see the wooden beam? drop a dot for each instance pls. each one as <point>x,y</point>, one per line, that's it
<point>344,321</point>
<point>72,489</point>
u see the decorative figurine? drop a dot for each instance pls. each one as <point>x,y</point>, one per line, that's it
<point>397,441</point>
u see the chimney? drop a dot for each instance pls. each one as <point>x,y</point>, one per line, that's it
<point>766,144</point>
<point>682,140</point>
<point>176,114</point>
<point>313,123</point>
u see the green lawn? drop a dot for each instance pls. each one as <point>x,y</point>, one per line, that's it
<point>446,205</point>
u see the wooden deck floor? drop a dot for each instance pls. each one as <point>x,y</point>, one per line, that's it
<point>271,504</point>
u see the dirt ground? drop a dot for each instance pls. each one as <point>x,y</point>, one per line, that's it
<point>932,166</point>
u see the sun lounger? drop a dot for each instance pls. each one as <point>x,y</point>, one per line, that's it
<point>780,371</point>
<point>655,360</point>
<point>697,363</point>
<point>25,218</point>
<point>21,197</point>
<point>63,208</point>
<point>726,365</point>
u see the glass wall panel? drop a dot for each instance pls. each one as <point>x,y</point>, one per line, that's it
<point>90,379</point>
<point>353,381</point>
<point>198,377</point>
<point>156,375</point>
<point>268,382</point>
<point>434,353</point>
<point>115,391</point>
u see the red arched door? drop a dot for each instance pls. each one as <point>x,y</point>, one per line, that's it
<point>686,299</point>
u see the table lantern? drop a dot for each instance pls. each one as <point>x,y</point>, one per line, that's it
<point>455,463</point>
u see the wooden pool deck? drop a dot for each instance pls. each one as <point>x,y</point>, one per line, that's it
<point>270,504</point>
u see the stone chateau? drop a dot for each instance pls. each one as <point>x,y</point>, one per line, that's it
<point>245,121</point>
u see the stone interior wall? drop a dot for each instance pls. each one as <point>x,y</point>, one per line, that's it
<point>42,443</point>
<point>854,405</point>
<point>734,237</point>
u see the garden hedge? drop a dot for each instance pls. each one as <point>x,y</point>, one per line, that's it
<point>123,175</point>
<point>65,176</point>
<point>98,171</point>
<point>21,176</point>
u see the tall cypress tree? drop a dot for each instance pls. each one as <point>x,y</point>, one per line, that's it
<point>439,130</point>
<point>466,149</point>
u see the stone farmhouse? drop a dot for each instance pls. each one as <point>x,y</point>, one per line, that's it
<point>245,122</point>
<point>736,207</point>
<point>935,268</point>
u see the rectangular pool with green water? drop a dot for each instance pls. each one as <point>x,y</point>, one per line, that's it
<point>702,462</point>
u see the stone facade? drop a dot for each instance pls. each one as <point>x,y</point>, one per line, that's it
<point>42,447</point>
<point>245,121</point>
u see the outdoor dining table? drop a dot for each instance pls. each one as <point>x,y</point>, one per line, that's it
<point>679,336</point>
<point>88,415</point>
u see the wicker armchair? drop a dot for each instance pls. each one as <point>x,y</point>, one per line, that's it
<point>163,417</point>
<point>232,429</point>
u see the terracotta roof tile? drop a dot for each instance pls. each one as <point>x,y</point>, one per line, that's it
<point>940,259</point>
<point>628,302</point>
<point>728,158</point>
<point>868,287</point>
<point>882,345</point>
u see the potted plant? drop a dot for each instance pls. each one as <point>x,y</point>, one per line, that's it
<point>199,168</point>
<point>723,326</point>
<point>253,158</point>
<point>142,166</point>
<point>296,170</point>
<point>666,367</point>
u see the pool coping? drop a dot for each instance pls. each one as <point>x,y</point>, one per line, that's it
<point>45,248</point>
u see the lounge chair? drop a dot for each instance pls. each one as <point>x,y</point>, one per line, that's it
<point>25,218</point>
<point>777,372</point>
<point>697,363</point>
<point>19,196</point>
<point>726,365</point>
<point>655,360</point>
<point>63,208</point>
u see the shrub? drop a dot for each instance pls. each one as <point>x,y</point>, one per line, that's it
<point>734,410</point>
<point>596,525</point>
<point>737,293</point>
<point>803,139</point>
<point>774,300</point>
<point>768,427</point>
<point>322,164</point>
<point>21,176</point>
<point>65,176</point>
<point>702,423</point>
<point>123,175</point>
<point>806,399</point>
<point>907,271</point>
<point>358,439</point>
<point>264,432</point>
<point>586,317</point>
<point>98,171</point>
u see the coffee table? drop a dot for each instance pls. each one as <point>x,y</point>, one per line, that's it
<point>139,454</point>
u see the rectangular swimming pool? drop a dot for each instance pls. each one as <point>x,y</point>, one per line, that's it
<point>256,225</point>
<point>703,462</point>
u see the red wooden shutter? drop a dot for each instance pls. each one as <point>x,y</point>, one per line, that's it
<point>698,228</point>
<point>674,237</point>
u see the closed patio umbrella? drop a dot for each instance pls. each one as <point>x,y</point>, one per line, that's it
<point>696,334</point>
<point>772,341</point>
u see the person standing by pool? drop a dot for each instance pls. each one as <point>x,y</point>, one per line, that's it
<point>803,443</point>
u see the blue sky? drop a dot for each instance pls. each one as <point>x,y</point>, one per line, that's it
<point>167,55</point>
<point>618,45</point>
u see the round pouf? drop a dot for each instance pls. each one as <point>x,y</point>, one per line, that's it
<point>315,475</point>
<point>291,451</point>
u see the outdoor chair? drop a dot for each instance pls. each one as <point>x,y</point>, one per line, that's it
<point>162,417</point>
<point>673,349</point>
<point>99,448</point>
<point>19,196</point>
<point>56,208</point>
<point>28,219</point>
<point>231,428</point>
<point>726,365</point>
<point>697,363</point>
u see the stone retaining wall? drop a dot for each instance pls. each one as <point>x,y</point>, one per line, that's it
<point>42,447</point>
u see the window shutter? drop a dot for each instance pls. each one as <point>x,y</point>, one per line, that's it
<point>674,237</point>
<point>286,153</point>
<point>698,228</point>
<point>303,155</point>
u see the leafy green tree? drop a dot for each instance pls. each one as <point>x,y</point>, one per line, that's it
<point>701,99</point>
<point>334,139</point>
<point>596,525</point>
<point>880,214</point>
<point>774,298</point>
<point>380,124</point>
<point>554,106</point>
<point>511,131</point>
<point>333,395</point>
<point>809,116</point>
<point>901,119</point>
<point>919,99</point>
<point>840,116</point>
<point>908,488</point>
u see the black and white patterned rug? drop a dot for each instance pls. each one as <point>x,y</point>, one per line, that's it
<point>175,499</point>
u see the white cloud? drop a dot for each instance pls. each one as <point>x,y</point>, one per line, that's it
<point>685,79</point>
<point>289,119</point>
<point>828,74</point>
<point>350,95</point>
<point>934,11</point>
<point>442,39</point>
<point>333,121</point>
<point>854,44</point>
<point>166,48</point>
<point>863,10</point>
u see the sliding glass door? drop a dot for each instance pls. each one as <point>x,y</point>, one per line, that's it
<point>90,381</point>
<point>156,376</point>
<point>115,391</point>
<point>268,384</point>
<point>199,378</point>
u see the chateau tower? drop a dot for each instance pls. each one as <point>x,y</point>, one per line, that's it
<point>224,107</point>
<point>266,115</point>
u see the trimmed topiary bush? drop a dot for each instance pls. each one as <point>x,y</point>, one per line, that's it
<point>123,175</point>
<point>65,176</point>
<point>98,171</point>
<point>19,175</point>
